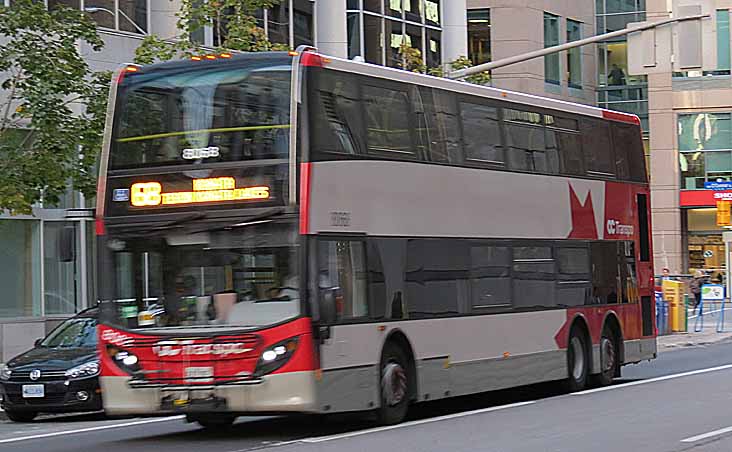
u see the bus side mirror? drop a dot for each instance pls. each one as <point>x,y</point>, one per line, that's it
<point>66,244</point>
<point>328,306</point>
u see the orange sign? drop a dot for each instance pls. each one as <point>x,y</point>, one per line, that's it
<point>723,213</point>
<point>217,189</point>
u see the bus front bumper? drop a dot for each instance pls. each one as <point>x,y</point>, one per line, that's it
<point>285,392</point>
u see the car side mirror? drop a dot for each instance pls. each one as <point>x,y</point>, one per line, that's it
<point>328,306</point>
<point>67,245</point>
<point>38,342</point>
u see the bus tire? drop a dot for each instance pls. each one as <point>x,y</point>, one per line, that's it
<point>609,357</point>
<point>577,360</point>
<point>212,421</point>
<point>393,384</point>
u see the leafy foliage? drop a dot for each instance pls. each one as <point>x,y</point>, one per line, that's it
<point>52,108</point>
<point>411,60</point>
<point>233,21</point>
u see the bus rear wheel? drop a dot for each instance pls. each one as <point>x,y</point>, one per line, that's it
<point>609,362</point>
<point>577,361</point>
<point>393,384</point>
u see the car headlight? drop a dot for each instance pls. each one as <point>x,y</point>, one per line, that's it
<point>276,356</point>
<point>5,372</point>
<point>89,369</point>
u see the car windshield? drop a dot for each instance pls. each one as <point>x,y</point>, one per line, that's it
<point>76,332</point>
<point>243,275</point>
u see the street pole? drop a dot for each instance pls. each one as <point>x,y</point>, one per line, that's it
<point>462,73</point>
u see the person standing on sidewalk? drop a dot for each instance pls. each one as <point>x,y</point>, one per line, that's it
<point>696,287</point>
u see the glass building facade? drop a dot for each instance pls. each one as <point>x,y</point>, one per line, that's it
<point>377,29</point>
<point>616,89</point>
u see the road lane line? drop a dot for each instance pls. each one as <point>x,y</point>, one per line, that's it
<point>89,429</point>
<point>696,438</point>
<point>320,439</point>
<point>653,380</point>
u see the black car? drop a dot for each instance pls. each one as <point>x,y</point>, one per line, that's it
<point>60,374</point>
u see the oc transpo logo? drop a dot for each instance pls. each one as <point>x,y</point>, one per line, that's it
<point>615,227</point>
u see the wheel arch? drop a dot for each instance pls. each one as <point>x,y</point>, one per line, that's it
<point>612,321</point>
<point>399,338</point>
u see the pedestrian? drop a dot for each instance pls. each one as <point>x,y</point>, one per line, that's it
<point>666,274</point>
<point>696,287</point>
<point>616,76</point>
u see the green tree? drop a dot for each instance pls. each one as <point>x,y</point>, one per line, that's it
<point>52,107</point>
<point>411,60</point>
<point>233,21</point>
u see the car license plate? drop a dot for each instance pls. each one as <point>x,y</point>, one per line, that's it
<point>33,391</point>
<point>199,374</point>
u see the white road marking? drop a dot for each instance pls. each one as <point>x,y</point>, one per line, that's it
<point>653,380</point>
<point>89,429</point>
<point>696,438</point>
<point>321,439</point>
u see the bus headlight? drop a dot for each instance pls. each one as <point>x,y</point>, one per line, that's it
<point>275,356</point>
<point>126,361</point>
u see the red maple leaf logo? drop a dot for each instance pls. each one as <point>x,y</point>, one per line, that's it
<point>583,217</point>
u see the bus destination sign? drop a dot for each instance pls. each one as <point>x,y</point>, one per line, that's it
<point>210,190</point>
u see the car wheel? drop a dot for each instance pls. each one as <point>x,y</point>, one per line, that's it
<point>21,416</point>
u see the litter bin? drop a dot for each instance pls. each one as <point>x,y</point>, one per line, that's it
<point>673,293</point>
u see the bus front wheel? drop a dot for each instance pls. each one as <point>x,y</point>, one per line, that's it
<point>212,421</point>
<point>577,360</point>
<point>393,384</point>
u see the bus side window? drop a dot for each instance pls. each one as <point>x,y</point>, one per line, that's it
<point>481,134</point>
<point>336,114</point>
<point>573,285</point>
<point>606,287</point>
<point>437,126</point>
<point>596,147</point>
<point>376,281</point>
<point>342,271</point>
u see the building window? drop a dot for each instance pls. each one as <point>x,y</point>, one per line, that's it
<point>378,28</point>
<point>61,268</point>
<point>705,145</point>
<point>723,40</point>
<point>479,35</point>
<point>574,56</point>
<point>20,252</point>
<point>551,38</point>
<point>122,15</point>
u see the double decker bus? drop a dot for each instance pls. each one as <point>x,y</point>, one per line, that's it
<point>292,232</point>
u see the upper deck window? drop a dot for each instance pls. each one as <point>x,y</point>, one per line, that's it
<point>213,113</point>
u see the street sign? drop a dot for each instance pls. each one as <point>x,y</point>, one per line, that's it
<point>712,292</point>
<point>695,41</point>
<point>682,46</point>
<point>721,185</point>
<point>723,213</point>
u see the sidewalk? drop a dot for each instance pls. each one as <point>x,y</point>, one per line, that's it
<point>692,339</point>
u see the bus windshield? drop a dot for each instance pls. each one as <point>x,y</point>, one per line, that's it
<point>240,275</point>
<point>203,113</point>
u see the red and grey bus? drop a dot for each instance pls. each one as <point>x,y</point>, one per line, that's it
<point>292,232</point>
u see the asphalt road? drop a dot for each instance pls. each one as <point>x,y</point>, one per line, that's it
<point>679,402</point>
